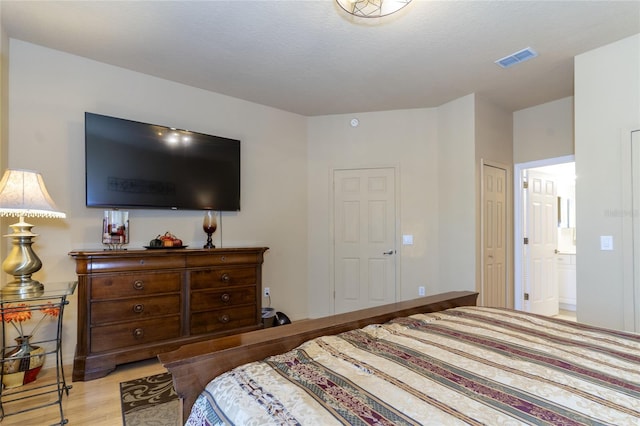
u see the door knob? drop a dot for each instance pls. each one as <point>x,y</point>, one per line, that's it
<point>388,253</point>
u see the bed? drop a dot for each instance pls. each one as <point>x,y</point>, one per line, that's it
<point>448,363</point>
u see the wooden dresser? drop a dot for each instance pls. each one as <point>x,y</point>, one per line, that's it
<point>134,304</point>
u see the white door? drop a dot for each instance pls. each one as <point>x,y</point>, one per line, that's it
<point>541,280</point>
<point>494,216</point>
<point>364,238</point>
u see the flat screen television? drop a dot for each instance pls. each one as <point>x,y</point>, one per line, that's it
<point>137,165</point>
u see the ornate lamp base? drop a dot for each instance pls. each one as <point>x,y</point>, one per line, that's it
<point>26,289</point>
<point>22,262</point>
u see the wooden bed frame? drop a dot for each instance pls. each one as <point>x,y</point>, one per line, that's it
<point>196,364</point>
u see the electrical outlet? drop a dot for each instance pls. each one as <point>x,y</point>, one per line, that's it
<point>267,292</point>
<point>421,291</point>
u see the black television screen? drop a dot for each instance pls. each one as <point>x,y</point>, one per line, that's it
<point>137,165</point>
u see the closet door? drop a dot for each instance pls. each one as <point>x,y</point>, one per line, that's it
<point>494,237</point>
<point>364,238</point>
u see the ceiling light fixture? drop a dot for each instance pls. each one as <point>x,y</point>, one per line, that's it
<point>372,8</point>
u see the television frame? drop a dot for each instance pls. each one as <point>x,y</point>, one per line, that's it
<point>135,165</point>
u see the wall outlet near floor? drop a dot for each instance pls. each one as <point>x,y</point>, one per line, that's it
<point>421,291</point>
<point>267,292</point>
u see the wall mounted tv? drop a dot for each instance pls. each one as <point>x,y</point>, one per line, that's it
<point>137,165</point>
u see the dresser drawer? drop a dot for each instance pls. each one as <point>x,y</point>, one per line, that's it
<point>134,308</point>
<point>222,277</point>
<point>223,319</point>
<point>110,337</point>
<point>142,263</point>
<point>124,285</point>
<point>204,300</point>
<point>222,259</point>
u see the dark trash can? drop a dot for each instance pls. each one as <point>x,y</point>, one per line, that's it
<point>281,319</point>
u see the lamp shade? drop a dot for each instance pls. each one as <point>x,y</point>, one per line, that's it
<point>23,194</point>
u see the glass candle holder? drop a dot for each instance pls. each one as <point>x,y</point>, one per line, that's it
<point>115,229</point>
<point>209,225</point>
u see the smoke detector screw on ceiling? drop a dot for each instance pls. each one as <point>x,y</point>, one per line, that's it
<point>372,8</point>
<point>516,58</point>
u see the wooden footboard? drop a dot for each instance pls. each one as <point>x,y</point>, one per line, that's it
<point>195,364</point>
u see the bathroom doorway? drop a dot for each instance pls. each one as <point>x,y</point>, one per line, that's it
<point>545,234</point>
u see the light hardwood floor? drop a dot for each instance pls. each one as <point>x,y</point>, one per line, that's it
<point>95,403</point>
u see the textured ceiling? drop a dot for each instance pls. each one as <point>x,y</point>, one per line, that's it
<point>308,57</point>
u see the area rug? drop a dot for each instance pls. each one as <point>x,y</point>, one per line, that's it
<point>150,401</point>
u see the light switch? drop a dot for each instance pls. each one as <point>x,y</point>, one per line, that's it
<point>407,240</point>
<point>606,242</point>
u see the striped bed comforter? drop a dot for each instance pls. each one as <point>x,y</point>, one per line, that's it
<point>469,365</point>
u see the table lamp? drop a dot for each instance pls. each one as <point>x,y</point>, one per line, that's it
<point>23,194</point>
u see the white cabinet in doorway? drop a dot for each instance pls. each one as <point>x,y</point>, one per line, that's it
<point>566,268</point>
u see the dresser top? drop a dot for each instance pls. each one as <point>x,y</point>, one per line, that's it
<point>163,252</point>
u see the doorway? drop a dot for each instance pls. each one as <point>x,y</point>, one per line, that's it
<point>545,233</point>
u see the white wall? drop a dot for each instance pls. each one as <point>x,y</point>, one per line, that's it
<point>543,131</point>
<point>49,91</point>
<point>433,151</point>
<point>456,236</point>
<point>494,132</point>
<point>4,87</point>
<point>607,107</point>
<point>405,139</point>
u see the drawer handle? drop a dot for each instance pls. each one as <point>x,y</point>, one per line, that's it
<point>222,258</point>
<point>138,308</point>
<point>224,318</point>
<point>138,285</point>
<point>225,298</point>
<point>225,277</point>
<point>138,333</point>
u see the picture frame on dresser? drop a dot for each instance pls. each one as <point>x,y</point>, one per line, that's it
<point>135,304</point>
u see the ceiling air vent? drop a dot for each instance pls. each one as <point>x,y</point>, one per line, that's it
<point>516,58</point>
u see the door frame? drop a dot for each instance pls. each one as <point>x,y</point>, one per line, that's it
<point>631,271</point>
<point>518,228</point>
<point>507,222</point>
<point>331,231</point>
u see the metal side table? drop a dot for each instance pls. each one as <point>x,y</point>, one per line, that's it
<point>22,317</point>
